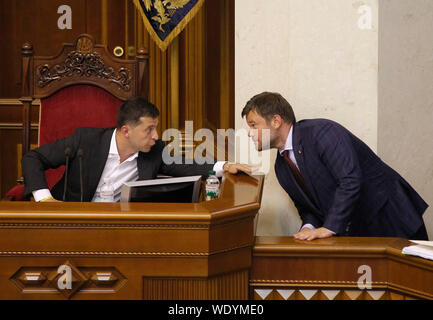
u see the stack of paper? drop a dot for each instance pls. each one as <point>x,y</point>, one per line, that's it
<point>423,249</point>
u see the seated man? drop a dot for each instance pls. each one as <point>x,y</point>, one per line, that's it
<point>128,152</point>
<point>337,183</point>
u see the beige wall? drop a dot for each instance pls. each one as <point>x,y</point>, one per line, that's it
<point>314,53</point>
<point>405,130</point>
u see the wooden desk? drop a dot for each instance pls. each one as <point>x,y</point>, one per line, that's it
<point>132,250</point>
<point>191,251</point>
<point>330,269</point>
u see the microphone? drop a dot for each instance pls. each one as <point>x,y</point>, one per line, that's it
<point>80,158</point>
<point>67,154</point>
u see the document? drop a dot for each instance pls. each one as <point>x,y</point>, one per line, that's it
<point>423,249</point>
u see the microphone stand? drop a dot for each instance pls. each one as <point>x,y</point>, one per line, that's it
<point>80,158</point>
<point>67,154</point>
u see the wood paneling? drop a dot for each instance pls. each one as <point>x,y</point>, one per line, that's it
<point>11,140</point>
<point>187,250</point>
<point>232,286</point>
<point>329,269</point>
<point>33,21</point>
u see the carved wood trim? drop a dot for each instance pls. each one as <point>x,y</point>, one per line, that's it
<point>89,64</point>
<point>120,253</point>
<point>335,285</point>
<point>17,102</point>
<point>100,226</point>
<point>312,283</point>
<point>30,279</point>
<point>16,126</point>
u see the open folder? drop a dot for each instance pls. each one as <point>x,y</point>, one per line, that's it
<point>423,249</point>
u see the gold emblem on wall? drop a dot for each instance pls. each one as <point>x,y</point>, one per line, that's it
<point>84,45</point>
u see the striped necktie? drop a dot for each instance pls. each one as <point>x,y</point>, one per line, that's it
<point>297,175</point>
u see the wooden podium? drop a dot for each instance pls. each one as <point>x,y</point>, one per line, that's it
<point>338,268</point>
<point>131,250</point>
<point>191,251</point>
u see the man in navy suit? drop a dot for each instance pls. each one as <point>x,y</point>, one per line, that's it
<point>337,183</point>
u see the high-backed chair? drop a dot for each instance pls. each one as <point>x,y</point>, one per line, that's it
<point>82,86</point>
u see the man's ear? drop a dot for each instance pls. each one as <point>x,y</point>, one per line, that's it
<point>276,121</point>
<point>125,130</point>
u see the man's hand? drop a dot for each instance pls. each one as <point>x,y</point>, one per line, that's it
<point>311,234</point>
<point>50,200</point>
<point>234,168</point>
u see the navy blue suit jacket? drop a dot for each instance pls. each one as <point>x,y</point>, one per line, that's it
<point>95,144</point>
<point>354,192</point>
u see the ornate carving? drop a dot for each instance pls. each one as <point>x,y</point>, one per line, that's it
<point>68,279</point>
<point>84,44</point>
<point>83,64</point>
<point>282,293</point>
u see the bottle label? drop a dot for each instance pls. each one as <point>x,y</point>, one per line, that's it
<point>212,191</point>
<point>107,196</point>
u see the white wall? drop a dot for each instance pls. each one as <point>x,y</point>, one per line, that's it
<point>405,130</point>
<point>314,54</point>
<point>261,64</point>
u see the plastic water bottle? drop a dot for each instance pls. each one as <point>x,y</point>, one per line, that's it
<point>212,186</point>
<point>107,191</point>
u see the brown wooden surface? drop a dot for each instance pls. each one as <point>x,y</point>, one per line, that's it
<point>301,270</point>
<point>199,251</point>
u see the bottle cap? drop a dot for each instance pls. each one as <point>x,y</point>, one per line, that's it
<point>107,180</point>
<point>211,172</point>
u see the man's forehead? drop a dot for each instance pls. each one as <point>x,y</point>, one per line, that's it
<point>149,121</point>
<point>253,116</point>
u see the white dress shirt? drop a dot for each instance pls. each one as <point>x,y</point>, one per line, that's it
<point>118,173</point>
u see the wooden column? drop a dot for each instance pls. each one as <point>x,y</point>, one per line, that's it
<point>26,94</point>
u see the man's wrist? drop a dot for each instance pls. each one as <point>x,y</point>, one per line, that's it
<point>46,199</point>
<point>308,225</point>
<point>219,168</point>
<point>42,194</point>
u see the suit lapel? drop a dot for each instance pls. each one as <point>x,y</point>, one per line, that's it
<point>145,166</point>
<point>98,162</point>
<point>299,156</point>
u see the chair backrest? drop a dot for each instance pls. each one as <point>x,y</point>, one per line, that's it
<point>82,86</point>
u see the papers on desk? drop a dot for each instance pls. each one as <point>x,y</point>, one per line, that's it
<point>423,249</point>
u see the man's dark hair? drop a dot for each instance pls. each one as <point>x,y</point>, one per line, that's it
<point>268,104</point>
<point>133,109</point>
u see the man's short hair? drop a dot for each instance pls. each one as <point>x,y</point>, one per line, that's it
<point>268,104</point>
<point>133,109</point>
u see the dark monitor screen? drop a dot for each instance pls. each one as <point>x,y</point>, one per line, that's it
<point>180,190</point>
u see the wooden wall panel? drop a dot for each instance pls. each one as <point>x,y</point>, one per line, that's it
<point>11,141</point>
<point>33,21</point>
<point>228,286</point>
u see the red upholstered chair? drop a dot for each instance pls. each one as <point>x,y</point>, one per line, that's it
<point>83,86</point>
